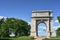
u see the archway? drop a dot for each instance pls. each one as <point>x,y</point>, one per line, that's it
<point>41,29</point>
<point>39,17</point>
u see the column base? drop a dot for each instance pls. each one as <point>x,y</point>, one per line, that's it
<point>48,37</point>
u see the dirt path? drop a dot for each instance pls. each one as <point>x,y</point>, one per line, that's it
<point>39,38</point>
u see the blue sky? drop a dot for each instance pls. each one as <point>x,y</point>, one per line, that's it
<point>23,8</point>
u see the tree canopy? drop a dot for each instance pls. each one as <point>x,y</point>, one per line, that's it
<point>17,26</point>
<point>58,17</point>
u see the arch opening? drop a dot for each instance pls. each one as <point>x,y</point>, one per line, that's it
<point>41,29</point>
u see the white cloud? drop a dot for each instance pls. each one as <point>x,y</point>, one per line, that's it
<point>2,17</point>
<point>29,23</point>
<point>56,21</point>
<point>42,27</point>
<point>56,27</point>
<point>39,31</point>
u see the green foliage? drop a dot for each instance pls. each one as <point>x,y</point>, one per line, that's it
<point>1,30</point>
<point>58,17</point>
<point>17,26</point>
<point>58,32</point>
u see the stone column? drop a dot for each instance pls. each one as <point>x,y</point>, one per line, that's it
<point>33,28</point>
<point>51,25</point>
<point>47,29</point>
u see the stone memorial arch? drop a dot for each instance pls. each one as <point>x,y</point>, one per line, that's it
<point>41,16</point>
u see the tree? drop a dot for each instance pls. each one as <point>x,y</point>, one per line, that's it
<point>58,30</point>
<point>58,17</point>
<point>23,27</point>
<point>17,26</point>
<point>1,21</point>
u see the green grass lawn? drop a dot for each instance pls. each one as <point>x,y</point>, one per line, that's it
<point>52,38</point>
<point>20,38</point>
